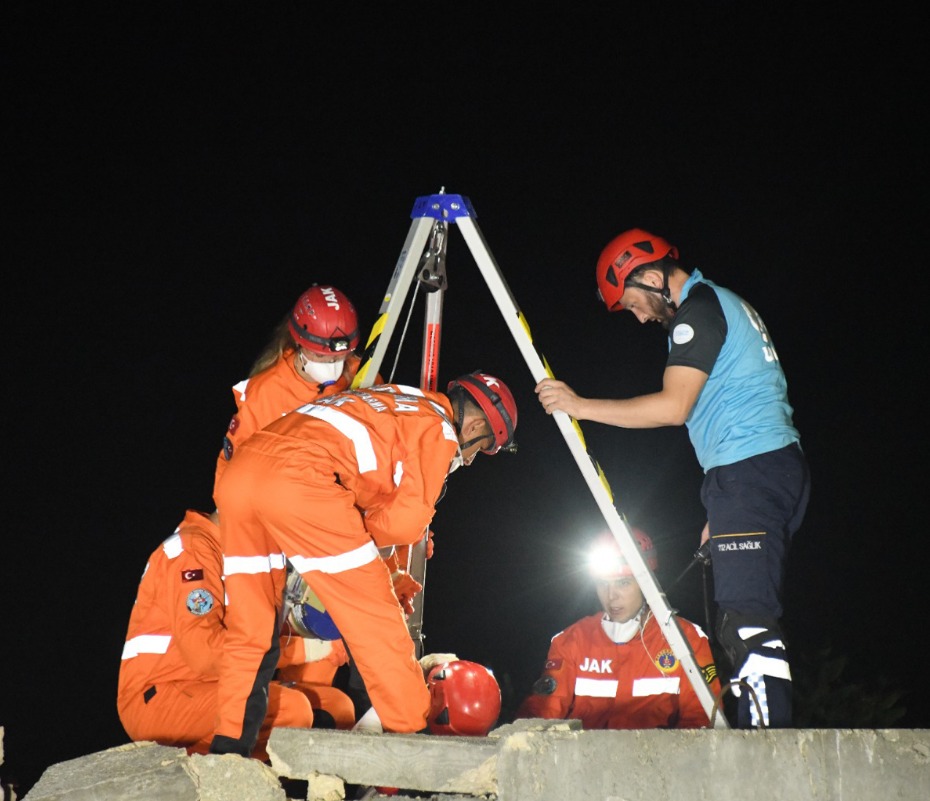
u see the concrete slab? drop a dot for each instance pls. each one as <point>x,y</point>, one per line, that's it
<point>524,761</point>
<point>148,772</point>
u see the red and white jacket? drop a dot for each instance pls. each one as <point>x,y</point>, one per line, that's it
<point>640,684</point>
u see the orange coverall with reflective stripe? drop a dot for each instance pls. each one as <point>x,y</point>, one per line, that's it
<point>325,486</point>
<point>169,672</point>
<point>271,394</point>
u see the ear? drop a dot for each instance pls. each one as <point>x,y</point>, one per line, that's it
<point>475,425</point>
<point>653,277</point>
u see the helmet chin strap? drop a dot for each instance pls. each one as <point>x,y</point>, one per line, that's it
<point>665,291</point>
<point>472,441</point>
<point>458,419</point>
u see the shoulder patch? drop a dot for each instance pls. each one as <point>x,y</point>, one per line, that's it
<point>682,333</point>
<point>553,664</point>
<point>192,575</point>
<point>199,602</point>
<point>545,685</point>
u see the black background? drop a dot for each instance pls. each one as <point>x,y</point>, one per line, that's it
<point>175,177</point>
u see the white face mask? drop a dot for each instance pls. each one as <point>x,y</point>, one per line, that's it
<point>623,632</point>
<point>322,372</point>
<point>457,461</point>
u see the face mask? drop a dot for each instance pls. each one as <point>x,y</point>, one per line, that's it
<point>622,632</point>
<point>457,461</point>
<point>322,372</point>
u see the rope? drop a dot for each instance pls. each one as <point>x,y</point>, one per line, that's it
<point>718,701</point>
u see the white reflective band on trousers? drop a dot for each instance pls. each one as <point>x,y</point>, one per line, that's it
<point>235,565</point>
<point>339,563</point>
<point>767,666</point>
<point>146,644</point>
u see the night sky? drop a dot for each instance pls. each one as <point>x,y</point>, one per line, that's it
<point>176,177</point>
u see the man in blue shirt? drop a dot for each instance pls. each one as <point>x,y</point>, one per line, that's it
<point>724,382</point>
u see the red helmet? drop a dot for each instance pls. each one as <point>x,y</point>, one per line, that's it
<point>465,699</point>
<point>624,254</point>
<point>497,403</point>
<point>324,321</point>
<point>607,561</point>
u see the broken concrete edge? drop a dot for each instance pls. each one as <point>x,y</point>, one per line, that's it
<point>527,761</point>
<point>147,770</point>
<point>415,762</point>
<point>126,768</point>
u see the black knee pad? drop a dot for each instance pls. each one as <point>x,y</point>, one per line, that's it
<point>737,649</point>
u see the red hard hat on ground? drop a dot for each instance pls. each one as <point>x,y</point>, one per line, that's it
<point>621,256</point>
<point>606,560</point>
<point>496,401</point>
<point>324,321</point>
<point>465,699</point>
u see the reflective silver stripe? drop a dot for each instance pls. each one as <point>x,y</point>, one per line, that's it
<point>668,685</point>
<point>349,427</point>
<point>336,564</point>
<point>596,688</point>
<point>240,388</point>
<point>448,430</point>
<point>766,665</point>
<point>398,473</point>
<point>146,644</point>
<point>235,565</point>
<point>173,546</point>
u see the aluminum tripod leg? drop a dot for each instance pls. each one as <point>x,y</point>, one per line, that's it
<point>392,303</point>
<point>431,273</point>
<point>429,267</point>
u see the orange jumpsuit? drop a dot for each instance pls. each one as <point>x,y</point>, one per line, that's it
<point>635,685</point>
<point>271,394</point>
<point>324,487</point>
<point>169,672</point>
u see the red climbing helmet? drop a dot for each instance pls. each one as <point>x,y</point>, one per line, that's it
<point>496,401</point>
<point>324,321</point>
<point>606,560</point>
<point>465,699</point>
<point>624,254</point>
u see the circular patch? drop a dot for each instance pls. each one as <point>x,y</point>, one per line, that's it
<point>199,602</point>
<point>544,686</point>
<point>666,660</point>
<point>682,333</point>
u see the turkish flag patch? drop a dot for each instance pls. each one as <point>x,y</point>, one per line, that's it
<point>554,664</point>
<point>192,575</point>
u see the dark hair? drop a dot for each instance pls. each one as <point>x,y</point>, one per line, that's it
<point>665,263</point>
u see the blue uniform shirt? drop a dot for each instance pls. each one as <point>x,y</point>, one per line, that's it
<point>743,409</point>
